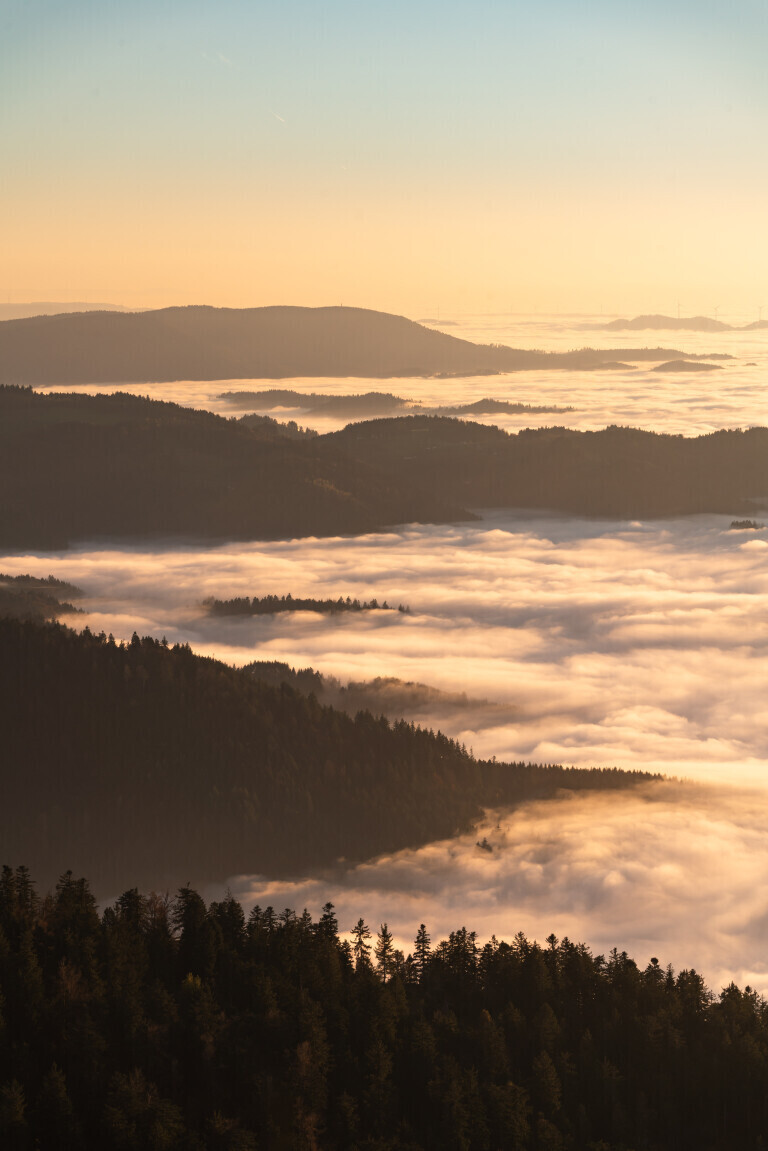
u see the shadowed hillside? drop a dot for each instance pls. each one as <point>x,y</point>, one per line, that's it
<point>76,467</point>
<point>79,467</point>
<point>617,472</point>
<point>147,764</point>
<point>203,343</point>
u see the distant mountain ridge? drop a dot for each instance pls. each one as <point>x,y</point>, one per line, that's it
<point>671,323</point>
<point>55,308</point>
<point>205,343</point>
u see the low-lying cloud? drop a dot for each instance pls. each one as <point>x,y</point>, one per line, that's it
<point>639,397</point>
<point>635,645</point>
<point>676,871</point>
<point>586,642</point>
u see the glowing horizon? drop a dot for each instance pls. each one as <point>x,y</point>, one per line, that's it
<point>503,159</point>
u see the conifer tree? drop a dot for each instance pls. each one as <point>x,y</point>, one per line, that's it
<point>328,927</point>
<point>361,949</point>
<point>421,951</point>
<point>384,952</point>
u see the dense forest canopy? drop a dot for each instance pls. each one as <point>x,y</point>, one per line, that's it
<point>204,343</point>
<point>75,467</point>
<point>173,1025</point>
<point>153,763</point>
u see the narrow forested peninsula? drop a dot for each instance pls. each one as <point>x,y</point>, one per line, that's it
<point>148,763</point>
<point>273,604</point>
<point>175,1026</point>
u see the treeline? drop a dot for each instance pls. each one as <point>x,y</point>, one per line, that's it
<point>149,762</point>
<point>617,472</point>
<point>287,429</point>
<point>76,467</point>
<point>372,404</point>
<point>491,407</point>
<point>31,597</point>
<point>175,1026</point>
<point>272,604</point>
<point>386,695</point>
<point>366,404</point>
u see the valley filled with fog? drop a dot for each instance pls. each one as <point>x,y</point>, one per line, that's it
<point>538,637</point>
<point>732,396</point>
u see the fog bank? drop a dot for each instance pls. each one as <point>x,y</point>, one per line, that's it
<point>668,870</point>
<point>628,644</point>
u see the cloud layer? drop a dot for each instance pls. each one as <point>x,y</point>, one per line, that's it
<point>585,642</point>
<point>679,404</point>
<point>673,871</point>
<point>636,645</point>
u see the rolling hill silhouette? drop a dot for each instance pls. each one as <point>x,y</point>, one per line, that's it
<point>204,343</point>
<point>81,467</point>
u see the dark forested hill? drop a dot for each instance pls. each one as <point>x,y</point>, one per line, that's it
<point>77,467</point>
<point>155,764</point>
<point>84,467</point>
<point>620,472</point>
<point>203,343</point>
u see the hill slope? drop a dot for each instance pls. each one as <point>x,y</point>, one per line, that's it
<point>202,343</point>
<point>78,467</point>
<point>153,765</point>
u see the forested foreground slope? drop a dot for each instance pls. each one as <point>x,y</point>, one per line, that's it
<point>78,467</point>
<point>145,764</point>
<point>181,1027</point>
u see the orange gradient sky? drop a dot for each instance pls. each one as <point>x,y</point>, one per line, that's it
<point>490,158</point>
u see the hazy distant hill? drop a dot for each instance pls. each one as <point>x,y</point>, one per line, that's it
<point>672,323</point>
<point>374,404</point>
<point>202,343</point>
<point>80,467</point>
<point>318,404</point>
<point>150,765</point>
<point>686,366</point>
<point>51,308</point>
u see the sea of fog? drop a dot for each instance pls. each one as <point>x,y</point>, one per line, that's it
<point>684,403</point>
<point>635,644</point>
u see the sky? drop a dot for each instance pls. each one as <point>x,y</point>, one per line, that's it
<point>497,156</point>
